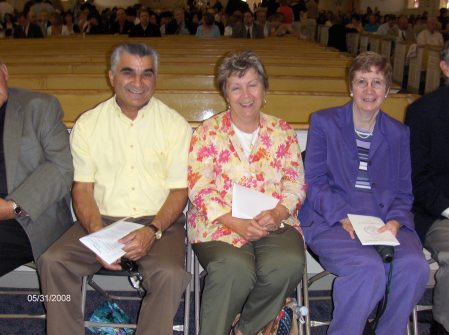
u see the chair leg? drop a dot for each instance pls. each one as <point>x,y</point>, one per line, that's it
<point>189,260</point>
<point>197,289</point>
<point>83,295</point>
<point>306,302</point>
<point>415,321</point>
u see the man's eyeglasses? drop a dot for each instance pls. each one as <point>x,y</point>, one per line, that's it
<point>134,277</point>
<point>363,83</point>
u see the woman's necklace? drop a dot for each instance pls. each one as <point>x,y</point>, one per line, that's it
<point>363,134</point>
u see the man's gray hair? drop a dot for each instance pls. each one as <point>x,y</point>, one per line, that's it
<point>136,49</point>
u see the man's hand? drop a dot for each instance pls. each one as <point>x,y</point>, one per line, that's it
<point>347,225</point>
<point>6,210</point>
<point>392,226</point>
<point>138,243</point>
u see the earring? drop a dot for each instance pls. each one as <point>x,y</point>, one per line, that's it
<point>351,94</point>
<point>264,101</point>
<point>229,107</point>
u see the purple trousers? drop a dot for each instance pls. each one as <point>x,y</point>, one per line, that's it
<point>362,276</point>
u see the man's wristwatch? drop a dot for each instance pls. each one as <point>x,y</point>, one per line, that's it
<point>156,230</point>
<point>18,211</point>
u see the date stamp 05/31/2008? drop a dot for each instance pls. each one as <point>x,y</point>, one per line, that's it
<point>48,297</point>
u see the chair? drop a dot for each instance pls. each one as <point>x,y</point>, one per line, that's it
<point>421,308</point>
<point>307,282</point>
<point>28,293</point>
<point>89,281</point>
<point>301,290</point>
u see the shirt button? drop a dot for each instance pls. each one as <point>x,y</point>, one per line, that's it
<point>133,188</point>
<point>381,205</point>
<point>134,209</point>
<point>370,163</point>
<point>131,146</point>
<point>373,185</point>
<point>132,167</point>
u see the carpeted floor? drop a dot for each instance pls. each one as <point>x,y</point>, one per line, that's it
<point>320,310</point>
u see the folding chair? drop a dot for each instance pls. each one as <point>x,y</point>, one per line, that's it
<point>27,292</point>
<point>421,308</point>
<point>89,281</point>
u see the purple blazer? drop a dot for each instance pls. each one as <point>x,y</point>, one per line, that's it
<point>331,167</point>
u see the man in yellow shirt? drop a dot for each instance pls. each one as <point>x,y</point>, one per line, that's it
<point>130,157</point>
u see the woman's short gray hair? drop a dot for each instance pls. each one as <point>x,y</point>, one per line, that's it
<point>365,61</point>
<point>136,49</point>
<point>238,63</point>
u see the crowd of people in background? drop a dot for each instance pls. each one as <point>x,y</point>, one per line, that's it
<point>44,18</point>
<point>421,29</point>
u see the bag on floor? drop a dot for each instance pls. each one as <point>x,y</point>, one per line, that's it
<point>286,322</point>
<point>110,312</point>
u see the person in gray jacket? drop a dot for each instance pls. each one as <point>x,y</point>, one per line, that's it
<point>249,28</point>
<point>36,173</point>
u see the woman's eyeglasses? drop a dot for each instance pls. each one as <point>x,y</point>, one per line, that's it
<point>363,83</point>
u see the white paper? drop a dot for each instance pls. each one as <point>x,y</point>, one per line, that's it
<point>105,243</point>
<point>366,227</point>
<point>248,203</point>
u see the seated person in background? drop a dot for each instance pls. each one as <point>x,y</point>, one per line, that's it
<point>44,20</point>
<point>337,35</point>
<point>208,29</point>
<point>145,28</point>
<point>94,25</point>
<point>57,28</point>
<point>164,19</point>
<point>252,265</point>
<point>430,35</point>
<point>72,28</point>
<point>428,119</point>
<point>286,11</point>
<point>405,33</point>
<point>277,28</point>
<point>36,173</point>
<point>232,21</point>
<point>130,156</point>
<point>179,25</point>
<point>25,29</point>
<point>371,26</point>
<point>355,25</point>
<point>261,20</point>
<point>389,29</point>
<point>249,28</point>
<point>121,25</point>
<point>8,25</point>
<point>358,162</point>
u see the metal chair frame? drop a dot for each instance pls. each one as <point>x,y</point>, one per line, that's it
<point>23,292</point>
<point>89,281</point>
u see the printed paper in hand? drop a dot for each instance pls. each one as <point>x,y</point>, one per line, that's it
<point>105,243</point>
<point>366,229</point>
<point>248,203</point>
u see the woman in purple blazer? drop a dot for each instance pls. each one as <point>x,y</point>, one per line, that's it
<point>358,162</point>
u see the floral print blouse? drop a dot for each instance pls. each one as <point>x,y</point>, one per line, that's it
<point>216,161</point>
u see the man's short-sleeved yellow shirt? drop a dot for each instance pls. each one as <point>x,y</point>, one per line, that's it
<point>132,163</point>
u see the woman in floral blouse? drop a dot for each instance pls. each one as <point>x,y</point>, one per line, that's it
<point>252,265</point>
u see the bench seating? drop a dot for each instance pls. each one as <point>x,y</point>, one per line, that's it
<point>172,81</point>
<point>196,106</point>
